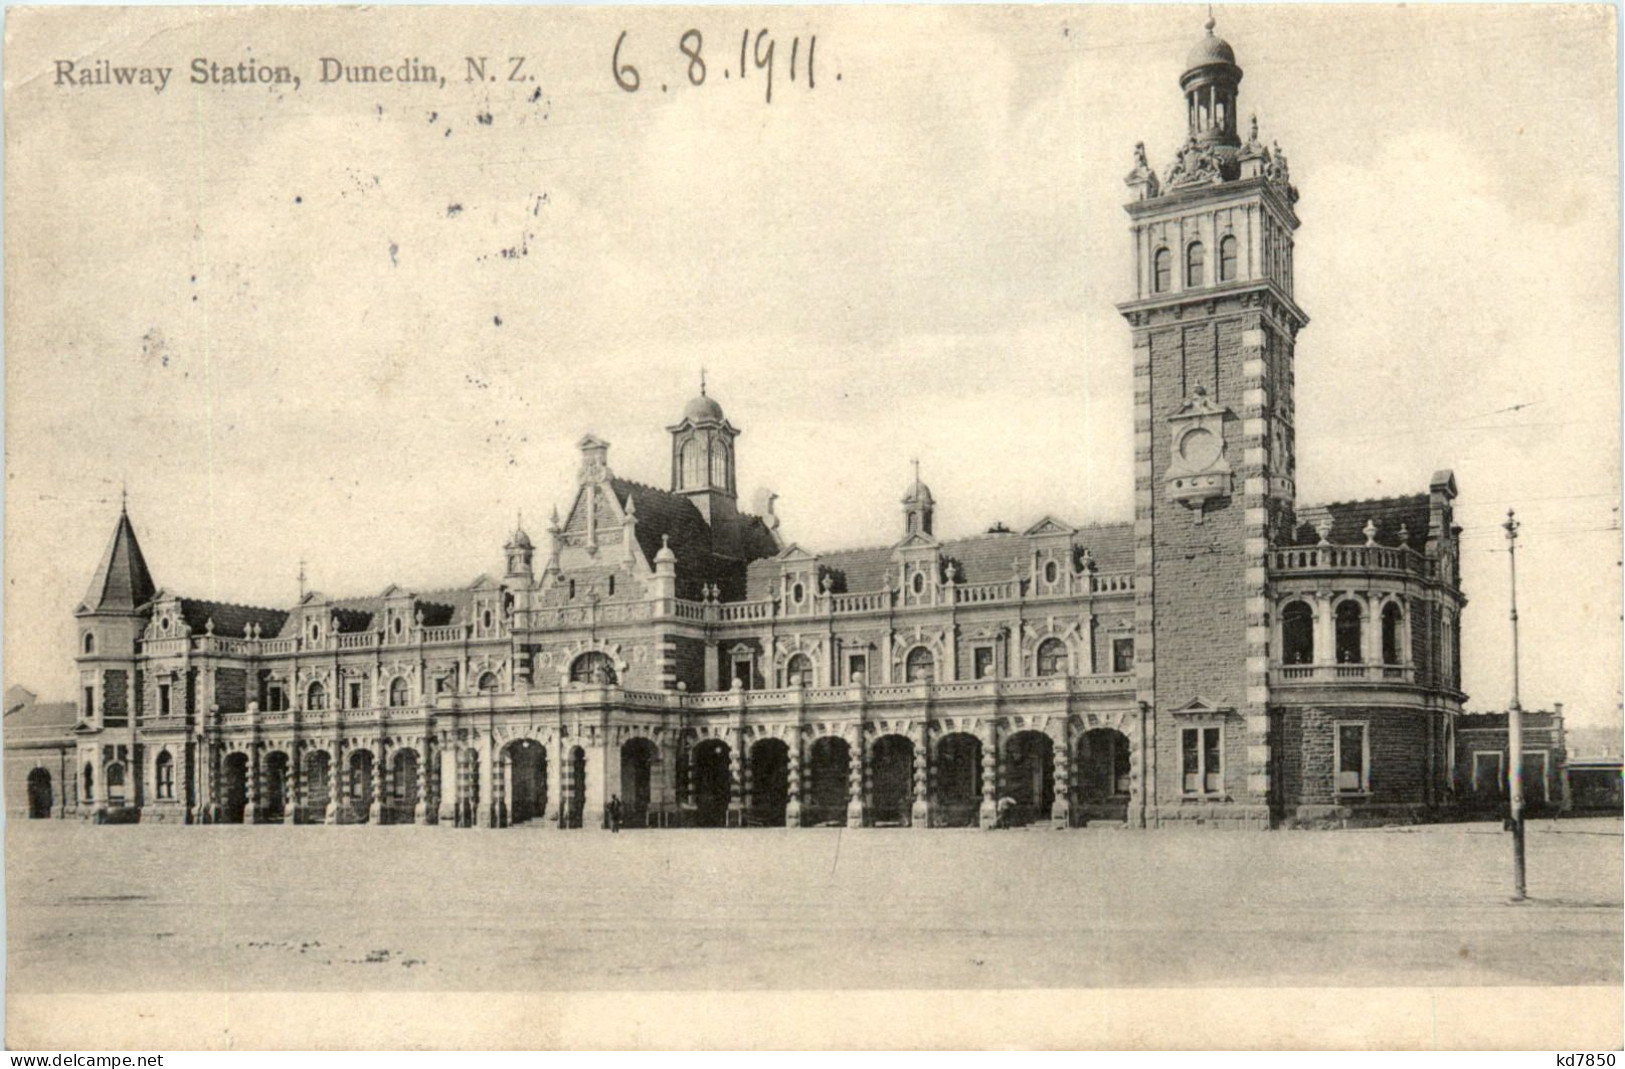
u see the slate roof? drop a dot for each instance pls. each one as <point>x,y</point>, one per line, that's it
<point>1349,520</point>
<point>122,582</point>
<point>229,620</point>
<point>984,558</point>
<point>440,608</point>
<point>42,715</point>
<point>704,555</point>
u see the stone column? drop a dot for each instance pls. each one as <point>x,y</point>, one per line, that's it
<point>421,811</point>
<point>481,788</point>
<point>1060,814</point>
<point>792,808</point>
<point>294,788</point>
<point>988,815</point>
<point>1326,631</point>
<point>254,786</point>
<point>857,778</point>
<point>450,783</point>
<point>380,782</point>
<point>335,782</point>
<point>505,796</point>
<point>921,815</point>
<point>556,794</point>
<point>736,766</point>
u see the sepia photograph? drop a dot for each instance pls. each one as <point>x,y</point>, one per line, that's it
<point>912,527</point>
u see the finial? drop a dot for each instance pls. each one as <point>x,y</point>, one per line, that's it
<point>1210,23</point>
<point>702,380</point>
<point>124,497</point>
<point>1253,135</point>
<point>916,473</point>
<point>519,520</point>
<point>301,579</point>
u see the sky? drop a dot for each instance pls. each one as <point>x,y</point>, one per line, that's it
<point>363,326</point>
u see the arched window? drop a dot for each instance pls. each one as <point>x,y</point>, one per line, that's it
<point>719,465</point>
<point>1393,622</point>
<point>1052,658</point>
<point>798,671</point>
<point>1161,271</point>
<point>1297,634</point>
<point>612,586</point>
<point>1227,258</point>
<point>593,668</point>
<point>115,783</point>
<point>920,666</point>
<point>1195,258</point>
<point>488,682</point>
<point>90,642</point>
<point>398,692</point>
<point>1349,621</point>
<point>164,775</point>
<point>692,462</point>
<point>89,785</point>
<point>316,697</point>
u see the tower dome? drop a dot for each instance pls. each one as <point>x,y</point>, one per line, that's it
<point>1210,50</point>
<point>702,409</point>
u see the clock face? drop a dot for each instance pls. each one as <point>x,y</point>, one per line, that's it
<point>1199,448</point>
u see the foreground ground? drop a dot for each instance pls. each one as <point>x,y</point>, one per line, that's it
<point>421,909</point>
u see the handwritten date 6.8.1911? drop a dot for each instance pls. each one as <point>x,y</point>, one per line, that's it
<point>760,55</point>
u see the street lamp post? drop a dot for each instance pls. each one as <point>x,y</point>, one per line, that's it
<point>1515,725</point>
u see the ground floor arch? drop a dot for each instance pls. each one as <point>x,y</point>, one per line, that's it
<point>361,773</point>
<point>273,804</point>
<point>891,779</point>
<point>710,783</point>
<point>40,795</point>
<point>525,762</point>
<point>959,780</point>
<point>829,768</point>
<point>316,788</point>
<point>402,804</point>
<point>638,760</point>
<point>1103,771</point>
<point>769,778</point>
<point>1029,778</point>
<point>234,788</point>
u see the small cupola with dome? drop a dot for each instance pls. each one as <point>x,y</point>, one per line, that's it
<point>702,456</point>
<point>1210,82</point>
<point>919,507</point>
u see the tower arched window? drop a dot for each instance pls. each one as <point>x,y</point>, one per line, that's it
<point>488,683</point>
<point>1052,658</point>
<point>316,697</point>
<point>692,458</point>
<point>719,465</point>
<point>593,668</point>
<point>398,692</point>
<point>798,671</point>
<point>164,775</point>
<point>1228,246</point>
<point>920,666</point>
<point>1297,634</point>
<point>1161,271</point>
<point>1195,260</point>
<point>90,642</point>
<point>1393,623</point>
<point>1349,624</point>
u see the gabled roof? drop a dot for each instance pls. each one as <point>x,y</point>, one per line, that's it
<point>983,558</point>
<point>43,715</point>
<point>229,620</point>
<point>1349,519</point>
<point>704,555</point>
<point>122,582</point>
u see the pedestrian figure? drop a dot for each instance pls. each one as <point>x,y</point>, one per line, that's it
<point>1006,804</point>
<point>615,813</point>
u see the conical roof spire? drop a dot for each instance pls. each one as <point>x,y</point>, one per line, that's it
<point>122,582</point>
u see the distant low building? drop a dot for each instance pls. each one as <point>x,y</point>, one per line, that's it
<point>1480,757</point>
<point>1595,770</point>
<point>40,747</point>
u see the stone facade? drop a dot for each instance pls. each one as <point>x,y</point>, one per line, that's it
<point>1229,656</point>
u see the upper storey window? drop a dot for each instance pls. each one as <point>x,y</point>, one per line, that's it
<point>1161,271</point>
<point>693,464</point>
<point>1195,260</point>
<point>1227,258</point>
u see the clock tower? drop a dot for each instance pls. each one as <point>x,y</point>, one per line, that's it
<point>1214,323</point>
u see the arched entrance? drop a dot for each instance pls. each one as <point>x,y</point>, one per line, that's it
<point>829,764</point>
<point>234,788</point>
<point>403,788</point>
<point>527,780</point>
<point>575,788</point>
<point>39,794</point>
<point>1103,774</point>
<point>360,785</point>
<point>959,780</point>
<point>769,782</point>
<point>709,783</point>
<point>1030,776</point>
<point>317,788</point>
<point>891,779</point>
<point>274,806</point>
<point>638,757</point>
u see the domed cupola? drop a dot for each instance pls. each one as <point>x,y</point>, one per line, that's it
<point>1210,85</point>
<point>702,456</point>
<point>918,506</point>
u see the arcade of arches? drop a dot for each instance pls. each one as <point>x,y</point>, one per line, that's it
<point>896,777</point>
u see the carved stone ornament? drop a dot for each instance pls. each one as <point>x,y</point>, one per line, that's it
<point>1142,179</point>
<point>1200,470</point>
<point>1196,165</point>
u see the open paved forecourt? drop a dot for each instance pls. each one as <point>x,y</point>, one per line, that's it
<point>275,908</point>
